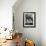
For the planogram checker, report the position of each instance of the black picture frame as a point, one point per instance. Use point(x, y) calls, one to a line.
point(29, 19)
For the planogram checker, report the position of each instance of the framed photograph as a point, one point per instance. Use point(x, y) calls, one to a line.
point(29, 19)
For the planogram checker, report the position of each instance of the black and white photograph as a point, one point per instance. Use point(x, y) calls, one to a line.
point(29, 19)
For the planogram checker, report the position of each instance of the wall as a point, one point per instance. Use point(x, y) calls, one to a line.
point(43, 22)
point(29, 33)
point(6, 16)
point(6, 13)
